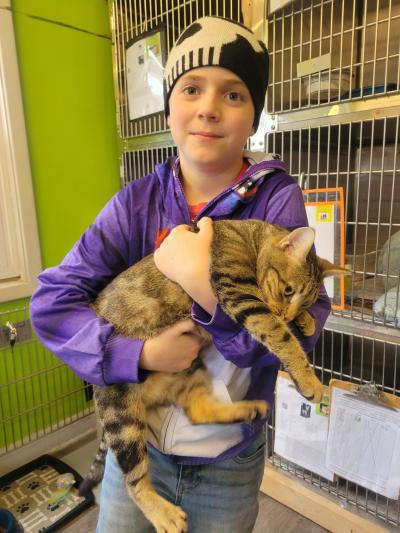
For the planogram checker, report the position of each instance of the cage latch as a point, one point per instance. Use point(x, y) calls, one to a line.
point(11, 333)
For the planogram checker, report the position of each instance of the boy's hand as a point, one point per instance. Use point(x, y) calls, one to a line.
point(184, 257)
point(174, 349)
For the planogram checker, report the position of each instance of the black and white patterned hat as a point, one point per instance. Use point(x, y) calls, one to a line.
point(215, 41)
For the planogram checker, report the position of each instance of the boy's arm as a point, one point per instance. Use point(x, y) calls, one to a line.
point(67, 325)
point(237, 345)
point(286, 209)
point(60, 308)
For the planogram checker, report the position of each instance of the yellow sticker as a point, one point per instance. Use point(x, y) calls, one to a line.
point(324, 213)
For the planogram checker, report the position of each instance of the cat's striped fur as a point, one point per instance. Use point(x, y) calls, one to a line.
point(263, 276)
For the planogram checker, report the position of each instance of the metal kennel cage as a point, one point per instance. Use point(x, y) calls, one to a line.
point(39, 395)
point(332, 113)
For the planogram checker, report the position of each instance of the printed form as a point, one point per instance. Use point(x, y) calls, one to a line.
point(364, 443)
point(301, 429)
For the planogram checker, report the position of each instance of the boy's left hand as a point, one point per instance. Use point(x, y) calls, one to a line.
point(184, 257)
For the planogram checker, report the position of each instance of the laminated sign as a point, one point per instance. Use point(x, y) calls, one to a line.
point(325, 213)
point(144, 58)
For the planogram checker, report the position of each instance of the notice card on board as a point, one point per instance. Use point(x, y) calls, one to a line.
point(325, 213)
point(301, 428)
point(364, 440)
point(144, 75)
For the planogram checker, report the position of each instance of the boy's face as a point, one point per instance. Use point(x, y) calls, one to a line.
point(211, 117)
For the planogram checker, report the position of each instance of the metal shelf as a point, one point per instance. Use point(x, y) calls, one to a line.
point(361, 328)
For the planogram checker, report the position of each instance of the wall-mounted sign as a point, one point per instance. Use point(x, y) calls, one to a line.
point(144, 58)
point(325, 213)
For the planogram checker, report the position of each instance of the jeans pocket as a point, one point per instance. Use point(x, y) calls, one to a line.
point(254, 451)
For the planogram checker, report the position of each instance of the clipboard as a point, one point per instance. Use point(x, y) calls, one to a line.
point(364, 436)
point(301, 428)
point(367, 392)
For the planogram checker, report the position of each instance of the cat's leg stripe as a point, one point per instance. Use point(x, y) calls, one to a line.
point(117, 426)
point(134, 482)
point(239, 298)
point(128, 456)
point(246, 313)
point(233, 280)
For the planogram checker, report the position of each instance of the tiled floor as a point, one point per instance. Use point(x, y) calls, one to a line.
point(273, 516)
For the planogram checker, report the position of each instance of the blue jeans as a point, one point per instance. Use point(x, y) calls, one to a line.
point(218, 498)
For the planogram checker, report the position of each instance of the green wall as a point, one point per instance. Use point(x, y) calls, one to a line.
point(64, 55)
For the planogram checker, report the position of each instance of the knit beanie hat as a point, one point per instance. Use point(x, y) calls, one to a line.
point(215, 41)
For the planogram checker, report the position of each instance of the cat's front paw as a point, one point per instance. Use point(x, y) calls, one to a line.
point(306, 323)
point(310, 387)
point(169, 518)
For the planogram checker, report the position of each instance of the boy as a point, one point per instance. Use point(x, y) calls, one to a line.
point(215, 82)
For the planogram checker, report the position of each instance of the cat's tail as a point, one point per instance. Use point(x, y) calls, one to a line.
point(96, 472)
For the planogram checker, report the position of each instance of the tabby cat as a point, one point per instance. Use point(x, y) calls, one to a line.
point(262, 276)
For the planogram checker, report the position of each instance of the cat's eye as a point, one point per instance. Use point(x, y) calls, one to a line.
point(289, 290)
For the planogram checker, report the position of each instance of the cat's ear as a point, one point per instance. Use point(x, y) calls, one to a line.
point(298, 243)
point(330, 269)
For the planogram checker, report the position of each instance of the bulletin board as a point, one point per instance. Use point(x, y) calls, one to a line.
point(325, 213)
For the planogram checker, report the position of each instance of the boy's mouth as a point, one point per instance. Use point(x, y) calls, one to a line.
point(206, 135)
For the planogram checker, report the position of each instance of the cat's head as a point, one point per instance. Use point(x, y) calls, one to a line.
point(294, 274)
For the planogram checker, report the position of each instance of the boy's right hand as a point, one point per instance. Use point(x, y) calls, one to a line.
point(173, 350)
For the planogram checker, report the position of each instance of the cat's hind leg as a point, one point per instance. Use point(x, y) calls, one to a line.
point(201, 407)
point(125, 428)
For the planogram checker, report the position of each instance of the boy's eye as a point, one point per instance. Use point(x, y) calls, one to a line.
point(234, 96)
point(190, 90)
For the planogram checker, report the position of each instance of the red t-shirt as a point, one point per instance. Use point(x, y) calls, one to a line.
point(194, 210)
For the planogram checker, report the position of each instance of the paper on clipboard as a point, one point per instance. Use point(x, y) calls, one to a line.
point(364, 440)
point(301, 428)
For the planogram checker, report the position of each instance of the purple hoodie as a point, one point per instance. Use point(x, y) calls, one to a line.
point(124, 232)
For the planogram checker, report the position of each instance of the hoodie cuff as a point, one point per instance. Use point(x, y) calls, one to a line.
point(121, 361)
point(219, 325)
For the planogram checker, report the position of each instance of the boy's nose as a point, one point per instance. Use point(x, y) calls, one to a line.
point(208, 108)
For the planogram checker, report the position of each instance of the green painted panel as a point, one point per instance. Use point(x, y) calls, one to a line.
point(87, 15)
point(66, 79)
point(64, 54)
point(14, 304)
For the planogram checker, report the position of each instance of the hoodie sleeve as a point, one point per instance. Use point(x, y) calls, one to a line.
point(286, 208)
point(60, 308)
